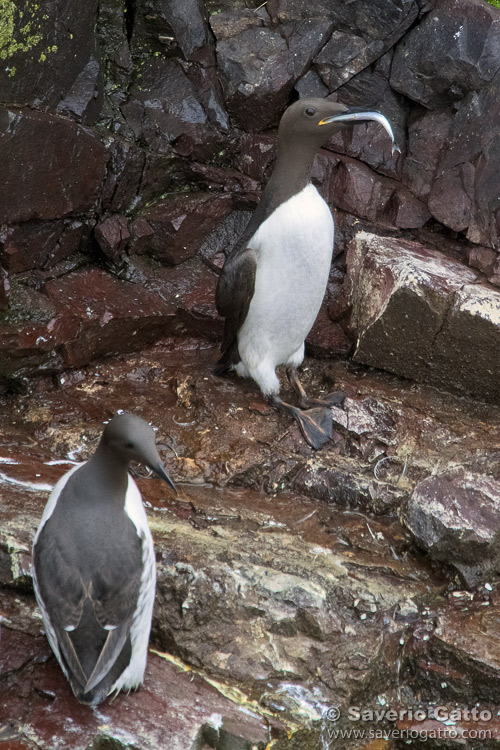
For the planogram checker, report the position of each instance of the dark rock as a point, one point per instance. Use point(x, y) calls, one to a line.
point(462, 653)
point(224, 237)
point(370, 86)
point(482, 258)
point(164, 111)
point(49, 64)
point(421, 314)
point(452, 196)
point(466, 348)
point(305, 39)
point(38, 244)
point(25, 246)
point(209, 91)
point(4, 289)
point(332, 62)
point(453, 51)
point(141, 233)
point(178, 224)
point(82, 94)
point(311, 85)
point(51, 167)
point(284, 11)
point(466, 190)
point(103, 315)
point(365, 36)
point(340, 483)
point(158, 177)
point(355, 188)
point(28, 334)
point(494, 277)
point(87, 314)
point(126, 167)
point(327, 339)
point(185, 21)
point(116, 61)
point(256, 154)
point(112, 236)
point(244, 190)
point(190, 288)
point(257, 76)
point(337, 301)
point(427, 139)
point(455, 516)
point(228, 23)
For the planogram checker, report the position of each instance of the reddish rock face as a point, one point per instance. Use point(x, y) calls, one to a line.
point(256, 156)
point(127, 168)
point(165, 111)
point(36, 244)
point(255, 94)
point(427, 138)
point(155, 118)
point(107, 315)
point(326, 338)
point(51, 167)
point(173, 229)
point(355, 188)
point(112, 235)
point(180, 95)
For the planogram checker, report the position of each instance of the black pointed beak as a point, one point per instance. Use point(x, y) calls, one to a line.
point(161, 473)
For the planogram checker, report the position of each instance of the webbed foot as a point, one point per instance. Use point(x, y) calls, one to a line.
point(316, 425)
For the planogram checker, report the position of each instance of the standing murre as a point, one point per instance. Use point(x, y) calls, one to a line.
point(273, 281)
point(94, 569)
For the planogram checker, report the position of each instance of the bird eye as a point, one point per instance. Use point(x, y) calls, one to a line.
point(129, 445)
point(310, 111)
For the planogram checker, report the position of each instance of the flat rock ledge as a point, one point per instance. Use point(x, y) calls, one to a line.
point(286, 584)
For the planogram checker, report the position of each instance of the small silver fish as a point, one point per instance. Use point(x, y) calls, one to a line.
point(357, 116)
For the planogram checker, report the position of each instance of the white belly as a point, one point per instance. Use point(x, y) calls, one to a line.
point(294, 250)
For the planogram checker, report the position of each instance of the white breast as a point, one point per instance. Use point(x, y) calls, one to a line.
point(294, 249)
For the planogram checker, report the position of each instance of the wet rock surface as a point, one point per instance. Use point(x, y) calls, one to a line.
point(282, 572)
point(135, 139)
point(141, 130)
point(192, 711)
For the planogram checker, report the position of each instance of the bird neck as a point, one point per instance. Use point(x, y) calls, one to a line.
point(109, 472)
point(291, 172)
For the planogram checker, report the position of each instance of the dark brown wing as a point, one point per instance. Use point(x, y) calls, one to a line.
point(234, 293)
point(90, 618)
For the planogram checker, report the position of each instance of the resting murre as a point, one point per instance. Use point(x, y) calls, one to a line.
point(273, 281)
point(94, 567)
